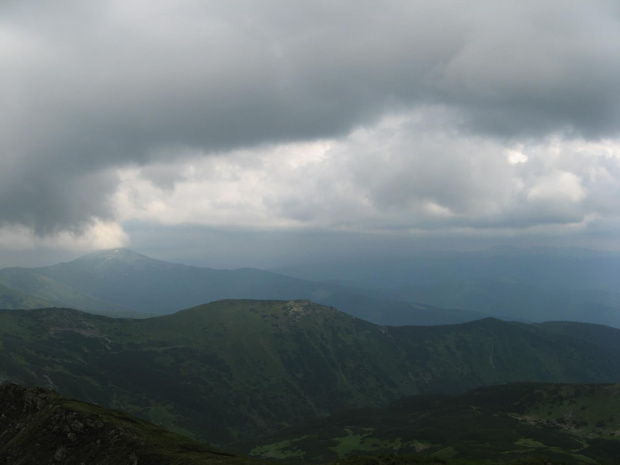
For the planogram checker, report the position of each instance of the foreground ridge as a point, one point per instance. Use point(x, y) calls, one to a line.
point(38, 426)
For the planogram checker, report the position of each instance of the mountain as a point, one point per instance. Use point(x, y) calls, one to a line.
point(120, 282)
point(39, 426)
point(532, 285)
point(575, 424)
point(233, 370)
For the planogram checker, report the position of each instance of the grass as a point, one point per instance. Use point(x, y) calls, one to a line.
point(280, 451)
point(233, 370)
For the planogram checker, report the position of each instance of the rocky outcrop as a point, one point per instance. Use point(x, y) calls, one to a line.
point(38, 426)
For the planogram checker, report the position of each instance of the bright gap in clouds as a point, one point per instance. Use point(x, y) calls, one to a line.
point(408, 172)
point(98, 235)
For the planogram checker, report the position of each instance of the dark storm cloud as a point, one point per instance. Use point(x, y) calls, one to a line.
point(90, 86)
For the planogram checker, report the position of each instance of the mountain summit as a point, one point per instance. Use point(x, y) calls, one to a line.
point(114, 261)
point(121, 255)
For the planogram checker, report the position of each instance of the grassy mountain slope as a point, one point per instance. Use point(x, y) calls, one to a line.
point(251, 365)
point(566, 423)
point(39, 291)
point(13, 299)
point(39, 426)
point(232, 370)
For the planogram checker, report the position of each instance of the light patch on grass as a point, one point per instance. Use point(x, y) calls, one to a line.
point(355, 442)
point(528, 442)
point(445, 453)
point(585, 459)
point(420, 446)
point(279, 450)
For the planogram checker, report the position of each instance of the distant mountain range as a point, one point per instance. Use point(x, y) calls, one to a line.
point(533, 285)
point(120, 282)
point(236, 369)
point(566, 423)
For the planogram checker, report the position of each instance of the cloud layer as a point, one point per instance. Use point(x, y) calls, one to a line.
point(336, 116)
point(405, 173)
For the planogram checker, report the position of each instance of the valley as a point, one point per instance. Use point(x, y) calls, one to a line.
point(566, 423)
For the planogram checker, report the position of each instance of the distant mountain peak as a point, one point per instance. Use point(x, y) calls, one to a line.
point(118, 254)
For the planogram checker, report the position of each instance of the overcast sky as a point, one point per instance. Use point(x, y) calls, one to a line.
point(234, 133)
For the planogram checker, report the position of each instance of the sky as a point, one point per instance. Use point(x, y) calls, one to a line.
point(261, 133)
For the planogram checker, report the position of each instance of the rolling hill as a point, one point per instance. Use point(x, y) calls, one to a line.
point(233, 370)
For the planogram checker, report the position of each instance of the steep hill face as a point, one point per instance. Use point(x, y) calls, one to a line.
point(232, 370)
point(40, 427)
point(566, 423)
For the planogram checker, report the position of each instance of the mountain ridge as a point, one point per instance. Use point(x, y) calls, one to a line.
point(258, 366)
point(121, 282)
